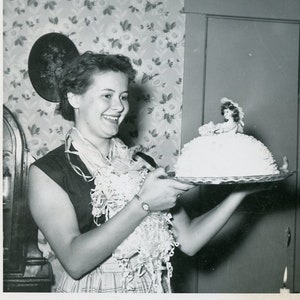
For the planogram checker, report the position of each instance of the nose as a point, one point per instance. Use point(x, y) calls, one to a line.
point(117, 104)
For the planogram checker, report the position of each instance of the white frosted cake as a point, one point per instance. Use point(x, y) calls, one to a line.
point(222, 150)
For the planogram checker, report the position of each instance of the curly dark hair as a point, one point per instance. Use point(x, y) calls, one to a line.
point(235, 111)
point(77, 76)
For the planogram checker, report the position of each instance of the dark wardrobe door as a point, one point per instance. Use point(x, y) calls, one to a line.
point(254, 60)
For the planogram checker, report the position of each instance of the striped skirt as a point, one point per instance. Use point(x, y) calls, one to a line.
point(108, 278)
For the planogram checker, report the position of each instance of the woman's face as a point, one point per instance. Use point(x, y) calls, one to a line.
point(227, 114)
point(103, 106)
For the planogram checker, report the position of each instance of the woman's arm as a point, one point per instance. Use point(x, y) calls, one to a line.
point(54, 214)
point(193, 234)
point(79, 253)
point(226, 127)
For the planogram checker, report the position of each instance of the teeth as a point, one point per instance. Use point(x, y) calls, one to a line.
point(111, 117)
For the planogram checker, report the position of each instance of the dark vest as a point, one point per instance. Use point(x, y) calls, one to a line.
point(57, 167)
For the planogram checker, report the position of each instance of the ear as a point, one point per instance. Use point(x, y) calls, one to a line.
point(74, 100)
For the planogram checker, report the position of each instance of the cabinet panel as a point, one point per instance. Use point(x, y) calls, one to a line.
point(24, 268)
point(256, 63)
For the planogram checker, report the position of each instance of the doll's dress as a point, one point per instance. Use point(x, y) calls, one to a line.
point(210, 128)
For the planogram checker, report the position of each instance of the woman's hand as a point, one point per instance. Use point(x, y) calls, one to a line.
point(161, 192)
point(251, 188)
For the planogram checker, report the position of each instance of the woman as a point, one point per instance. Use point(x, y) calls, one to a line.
point(104, 210)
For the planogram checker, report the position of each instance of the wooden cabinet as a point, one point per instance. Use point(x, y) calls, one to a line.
point(248, 52)
point(24, 268)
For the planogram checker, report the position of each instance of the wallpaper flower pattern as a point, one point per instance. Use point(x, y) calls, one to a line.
point(150, 32)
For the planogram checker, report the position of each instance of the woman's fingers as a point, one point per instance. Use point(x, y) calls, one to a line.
point(256, 187)
point(161, 192)
point(159, 173)
point(181, 185)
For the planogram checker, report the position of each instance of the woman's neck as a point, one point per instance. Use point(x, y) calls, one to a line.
point(101, 144)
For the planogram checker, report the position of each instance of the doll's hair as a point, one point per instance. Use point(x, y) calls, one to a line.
point(233, 108)
point(77, 76)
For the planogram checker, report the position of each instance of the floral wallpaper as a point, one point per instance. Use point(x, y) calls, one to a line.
point(150, 32)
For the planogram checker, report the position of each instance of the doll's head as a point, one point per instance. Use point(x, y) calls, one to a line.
point(236, 111)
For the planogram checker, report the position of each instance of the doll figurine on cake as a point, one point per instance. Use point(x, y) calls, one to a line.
point(223, 150)
point(233, 120)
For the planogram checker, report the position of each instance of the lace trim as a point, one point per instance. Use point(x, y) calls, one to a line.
point(117, 180)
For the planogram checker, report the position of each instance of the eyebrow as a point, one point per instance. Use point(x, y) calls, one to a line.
point(112, 90)
point(107, 89)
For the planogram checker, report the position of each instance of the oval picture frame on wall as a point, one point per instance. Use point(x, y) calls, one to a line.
point(47, 58)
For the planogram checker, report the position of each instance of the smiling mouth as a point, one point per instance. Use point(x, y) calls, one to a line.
point(111, 118)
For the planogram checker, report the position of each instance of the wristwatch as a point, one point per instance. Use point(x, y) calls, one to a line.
point(145, 205)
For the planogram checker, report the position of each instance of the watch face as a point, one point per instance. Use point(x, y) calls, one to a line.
point(146, 207)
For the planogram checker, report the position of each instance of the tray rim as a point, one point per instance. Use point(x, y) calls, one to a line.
point(235, 179)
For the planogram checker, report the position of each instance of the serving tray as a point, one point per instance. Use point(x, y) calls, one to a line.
point(233, 179)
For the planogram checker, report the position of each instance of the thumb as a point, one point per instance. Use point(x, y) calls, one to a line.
point(159, 172)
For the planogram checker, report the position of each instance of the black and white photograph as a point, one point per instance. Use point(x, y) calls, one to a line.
point(151, 147)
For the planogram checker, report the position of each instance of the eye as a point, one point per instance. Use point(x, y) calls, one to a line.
point(107, 96)
point(124, 97)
